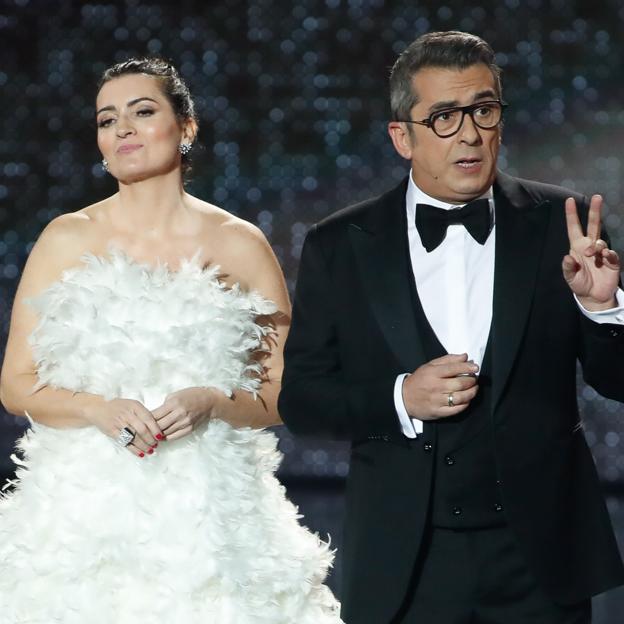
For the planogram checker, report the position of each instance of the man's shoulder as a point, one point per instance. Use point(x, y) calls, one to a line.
point(536, 191)
point(365, 212)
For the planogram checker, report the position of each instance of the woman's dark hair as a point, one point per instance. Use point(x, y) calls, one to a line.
point(172, 86)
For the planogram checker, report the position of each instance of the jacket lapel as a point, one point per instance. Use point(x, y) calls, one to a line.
point(521, 226)
point(379, 241)
point(378, 238)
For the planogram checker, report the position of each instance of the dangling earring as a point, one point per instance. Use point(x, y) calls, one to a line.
point(184, 148)
point(105, 165)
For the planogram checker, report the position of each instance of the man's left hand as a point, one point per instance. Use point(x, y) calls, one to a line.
point(591, 269)
point(183, 411)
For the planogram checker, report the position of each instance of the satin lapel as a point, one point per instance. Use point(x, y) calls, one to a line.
point(379, 242)
point(521, 226)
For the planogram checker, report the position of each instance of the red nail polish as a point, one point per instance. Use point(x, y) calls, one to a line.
point(150, 451)
point(154, 445)
point(141, 454)
point(160, 436)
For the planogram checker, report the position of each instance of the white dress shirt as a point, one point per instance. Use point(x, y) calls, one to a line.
point(455, 284)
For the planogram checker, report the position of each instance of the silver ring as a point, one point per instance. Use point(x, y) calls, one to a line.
point(449, 400)
point(125, 437)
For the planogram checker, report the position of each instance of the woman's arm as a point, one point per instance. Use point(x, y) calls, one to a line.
point(253, 264)
point(60, 247)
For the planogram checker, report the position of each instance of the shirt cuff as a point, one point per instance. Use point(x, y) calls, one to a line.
point(410, 427)
point(614, 316)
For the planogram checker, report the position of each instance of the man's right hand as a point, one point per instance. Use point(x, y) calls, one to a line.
point(427, 390)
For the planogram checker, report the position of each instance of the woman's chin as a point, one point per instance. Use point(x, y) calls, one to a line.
point(134, 176)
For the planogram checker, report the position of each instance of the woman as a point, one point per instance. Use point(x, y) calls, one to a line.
point(146, 347)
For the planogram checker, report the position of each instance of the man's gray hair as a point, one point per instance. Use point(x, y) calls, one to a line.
point(450, 49)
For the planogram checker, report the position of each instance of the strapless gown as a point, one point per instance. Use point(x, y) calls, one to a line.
point(200, 532)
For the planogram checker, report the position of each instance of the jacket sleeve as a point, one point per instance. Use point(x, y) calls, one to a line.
point(602, 358)
point(602, 353)
point(317, 398)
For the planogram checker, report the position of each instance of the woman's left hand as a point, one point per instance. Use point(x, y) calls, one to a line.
point(183, 411)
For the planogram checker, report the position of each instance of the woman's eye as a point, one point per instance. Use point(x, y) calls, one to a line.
point(104, 123)
point(145, 112)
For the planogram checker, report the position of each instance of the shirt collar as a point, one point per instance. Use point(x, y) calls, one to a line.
point(415, 196)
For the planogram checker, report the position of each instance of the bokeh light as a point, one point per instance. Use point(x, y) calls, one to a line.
point(292, 100)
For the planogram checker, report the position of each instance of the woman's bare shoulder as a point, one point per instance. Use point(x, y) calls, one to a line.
point(64, 241)
point(228, 233)
point(243, 252)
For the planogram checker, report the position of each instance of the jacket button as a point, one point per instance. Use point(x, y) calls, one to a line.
point(449, 461)
point(457, 511)
point(498, 507)
point(427, 447)
point(614, 332)
point(385, 438)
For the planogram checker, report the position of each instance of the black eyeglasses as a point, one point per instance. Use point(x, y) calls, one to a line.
point(447, 122)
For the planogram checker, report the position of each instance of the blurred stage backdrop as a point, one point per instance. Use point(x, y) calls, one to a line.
point(292, 101)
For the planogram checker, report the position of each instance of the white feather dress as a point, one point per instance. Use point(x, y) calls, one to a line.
point(200, 532)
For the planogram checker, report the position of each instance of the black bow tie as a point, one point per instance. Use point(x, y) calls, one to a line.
point(432, 222)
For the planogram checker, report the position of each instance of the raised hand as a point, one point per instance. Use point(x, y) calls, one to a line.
point(591, 269)
point(440, 388)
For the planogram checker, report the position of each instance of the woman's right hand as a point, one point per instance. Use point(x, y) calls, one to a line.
point(111, 417)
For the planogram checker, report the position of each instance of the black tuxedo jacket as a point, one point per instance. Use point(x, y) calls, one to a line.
point(354, 330)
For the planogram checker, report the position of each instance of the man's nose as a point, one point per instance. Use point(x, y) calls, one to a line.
point(469, 131)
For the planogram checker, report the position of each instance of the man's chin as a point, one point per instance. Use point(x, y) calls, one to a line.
point(471, 189)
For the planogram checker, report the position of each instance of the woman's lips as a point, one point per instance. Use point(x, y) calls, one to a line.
point(128, 148)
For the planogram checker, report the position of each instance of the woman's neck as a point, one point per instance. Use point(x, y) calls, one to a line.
point(155, 206)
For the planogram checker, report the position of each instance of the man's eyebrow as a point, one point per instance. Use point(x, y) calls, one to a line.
point(488, 93)
point(443, 105)
point(130, 103)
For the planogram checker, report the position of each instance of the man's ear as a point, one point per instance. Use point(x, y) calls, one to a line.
point(401, 138)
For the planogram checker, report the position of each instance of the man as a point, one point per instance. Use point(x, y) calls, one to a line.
point(438, 334)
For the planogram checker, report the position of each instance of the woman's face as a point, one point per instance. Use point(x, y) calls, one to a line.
point(138, 131)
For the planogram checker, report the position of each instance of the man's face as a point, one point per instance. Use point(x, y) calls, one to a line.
point(459, 168)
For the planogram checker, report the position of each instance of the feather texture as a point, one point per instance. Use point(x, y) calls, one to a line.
point(199, 532)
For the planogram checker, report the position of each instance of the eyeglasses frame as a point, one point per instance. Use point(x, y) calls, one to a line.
point(465, 110)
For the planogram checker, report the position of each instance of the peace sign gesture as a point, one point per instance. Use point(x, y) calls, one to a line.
point(591, 269)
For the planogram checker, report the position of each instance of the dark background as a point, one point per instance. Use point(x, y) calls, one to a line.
point(292, 100)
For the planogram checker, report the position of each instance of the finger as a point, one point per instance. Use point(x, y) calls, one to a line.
point(128, 421)
point(575, 231)
point(451, 357)
point(135, 450)
point(161, 415)
point(454, 369)
point(459, 383)
point(161, 411)
point(570, 267)
point(150, 431)
point(166, 423)
point(140, 444)
point(458, 398)
point(142, 432)
point(611, 258)
point(593, 218)
point(446, 412)
point(177, 425)
point(594, 248)
point(180, 433)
